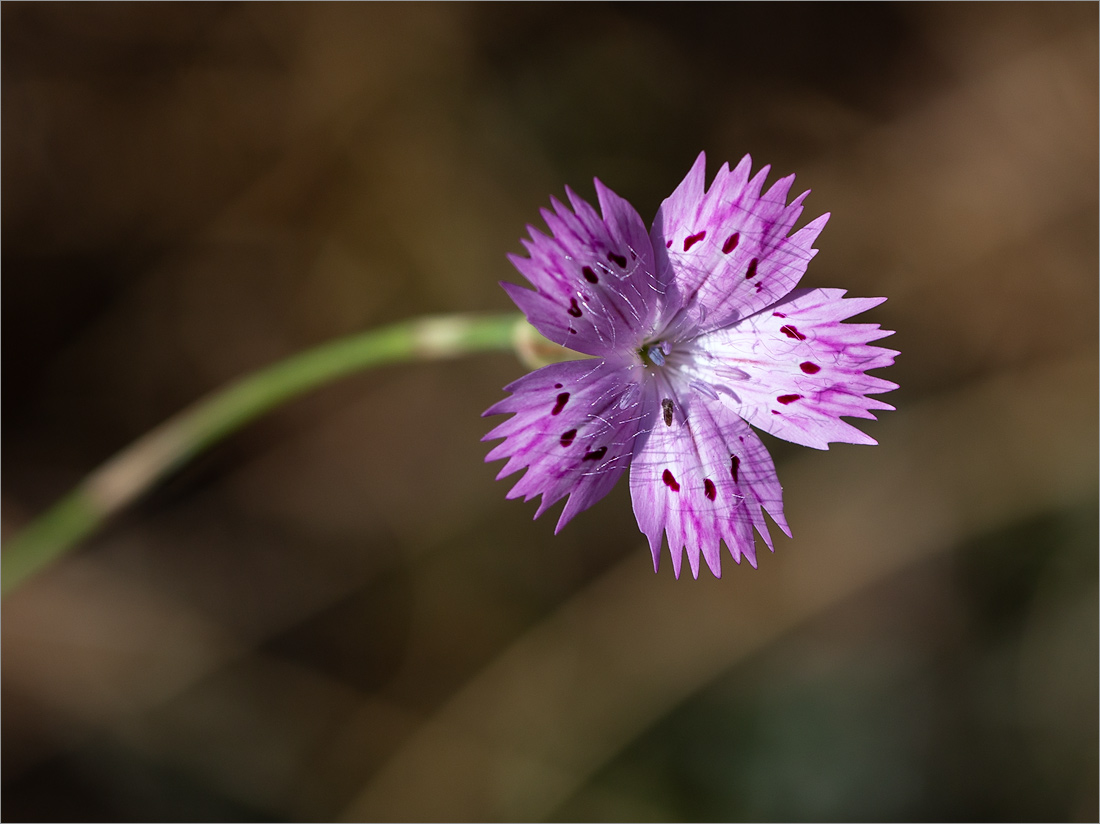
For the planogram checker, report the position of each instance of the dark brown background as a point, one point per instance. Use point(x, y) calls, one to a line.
point(337, 613)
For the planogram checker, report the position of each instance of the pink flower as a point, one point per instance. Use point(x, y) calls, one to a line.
point(696, 331)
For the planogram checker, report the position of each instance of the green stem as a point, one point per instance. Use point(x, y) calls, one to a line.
point(131, 472)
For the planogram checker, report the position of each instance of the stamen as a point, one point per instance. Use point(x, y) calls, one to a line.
point(666, 411)
point(703, 388)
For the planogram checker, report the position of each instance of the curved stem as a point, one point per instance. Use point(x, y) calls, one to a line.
point(135, 469)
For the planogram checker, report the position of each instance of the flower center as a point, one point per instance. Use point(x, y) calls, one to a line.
point(654, 354)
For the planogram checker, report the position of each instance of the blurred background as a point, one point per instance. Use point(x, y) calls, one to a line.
point(337, 614)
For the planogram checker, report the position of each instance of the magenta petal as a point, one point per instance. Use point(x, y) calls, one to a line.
point(593, 277)
point(804, 368)
point(702, 480)
point(573, 429)
point(727, 249)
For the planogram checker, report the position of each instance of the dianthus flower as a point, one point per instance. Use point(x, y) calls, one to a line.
point(696, 331)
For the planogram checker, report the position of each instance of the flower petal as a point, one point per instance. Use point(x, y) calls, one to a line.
point(803, 369)
point(725, 252)
point(701, 479)
point(594, 277)
point(573, 429)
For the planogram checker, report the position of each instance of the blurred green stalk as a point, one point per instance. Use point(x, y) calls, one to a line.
point(131, 472)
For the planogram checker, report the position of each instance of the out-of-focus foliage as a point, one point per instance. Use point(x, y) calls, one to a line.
point(338, 613)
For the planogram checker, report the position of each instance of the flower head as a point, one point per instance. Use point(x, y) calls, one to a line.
point(696, 331)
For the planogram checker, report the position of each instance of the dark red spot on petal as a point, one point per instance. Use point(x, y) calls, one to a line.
point(618, 260)
point(708, 489)
point(809, 368)
point(589, 275)
point(731, 243)
point(785, 399)
point(778, 315)
point(572, 331)
point(691, 240)
point(557, 386)
point(563, 398)
point(574, 310)
point(670, 481)
point(791, 332)
point(567, 437)
point(668, 245)
point(751, 272)
point(596, 454)
point(735, 464)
